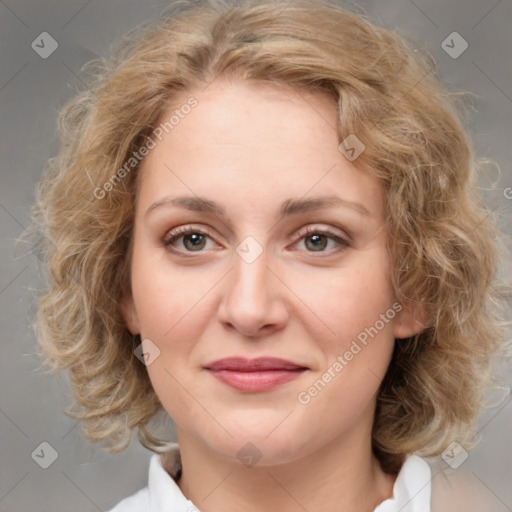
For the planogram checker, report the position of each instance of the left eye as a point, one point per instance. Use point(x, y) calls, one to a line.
point(194, 239)
point(319, 238)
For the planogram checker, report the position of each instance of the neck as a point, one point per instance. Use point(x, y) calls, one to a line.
point(342, 475)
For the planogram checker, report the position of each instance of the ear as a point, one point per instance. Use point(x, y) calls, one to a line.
point(129, 313)
point(413, 318)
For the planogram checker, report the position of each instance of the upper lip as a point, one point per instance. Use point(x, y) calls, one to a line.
point(242, 364)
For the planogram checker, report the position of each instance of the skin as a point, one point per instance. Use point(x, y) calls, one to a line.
point(249, 147)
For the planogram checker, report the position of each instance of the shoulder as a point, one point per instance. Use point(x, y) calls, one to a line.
point(459, 490)
point(162, 490)
point(141, 499)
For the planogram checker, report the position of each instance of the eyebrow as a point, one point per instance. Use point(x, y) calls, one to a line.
point(292, 206)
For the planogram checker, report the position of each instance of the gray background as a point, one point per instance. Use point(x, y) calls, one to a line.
point(32, 90)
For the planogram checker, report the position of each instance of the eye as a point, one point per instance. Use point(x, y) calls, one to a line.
point(194, 239)
point(317, 239)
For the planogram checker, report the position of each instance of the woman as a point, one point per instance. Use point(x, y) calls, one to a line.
point(263, 220)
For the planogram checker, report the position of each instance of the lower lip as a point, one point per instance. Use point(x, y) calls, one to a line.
point(256, 381)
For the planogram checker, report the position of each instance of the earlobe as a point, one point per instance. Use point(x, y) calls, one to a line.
point(412, 319)
point(130, 315)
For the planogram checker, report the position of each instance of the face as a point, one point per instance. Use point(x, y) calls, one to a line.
point(254, 271)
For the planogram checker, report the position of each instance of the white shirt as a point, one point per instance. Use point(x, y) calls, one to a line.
point(411, 490)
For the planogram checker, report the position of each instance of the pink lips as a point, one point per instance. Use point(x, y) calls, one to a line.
point(254, 375)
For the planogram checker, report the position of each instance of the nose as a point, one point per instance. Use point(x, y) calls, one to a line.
point(254, 302)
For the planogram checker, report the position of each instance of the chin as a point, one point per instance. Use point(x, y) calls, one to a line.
point(265, 445)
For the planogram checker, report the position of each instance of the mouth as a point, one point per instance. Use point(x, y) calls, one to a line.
point(254, 375)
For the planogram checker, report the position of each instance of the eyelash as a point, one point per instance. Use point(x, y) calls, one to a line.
point(177, 233)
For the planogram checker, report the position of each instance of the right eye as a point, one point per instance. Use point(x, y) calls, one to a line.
point(194, 239)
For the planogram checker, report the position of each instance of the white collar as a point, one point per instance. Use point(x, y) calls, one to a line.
point(163, 489)
point(412, 489)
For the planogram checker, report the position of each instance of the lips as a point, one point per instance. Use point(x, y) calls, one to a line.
point(241, 364)
point(254, 375)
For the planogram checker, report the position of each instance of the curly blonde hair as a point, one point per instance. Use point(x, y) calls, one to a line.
point(443, 242)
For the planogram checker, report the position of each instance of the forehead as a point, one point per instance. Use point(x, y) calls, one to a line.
point(254, 139)
point(237, 110)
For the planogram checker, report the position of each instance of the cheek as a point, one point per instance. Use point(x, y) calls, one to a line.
point(172, 315)
point(174, 308)
point(349, 299)
point(357, 309)
point(167, 297)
